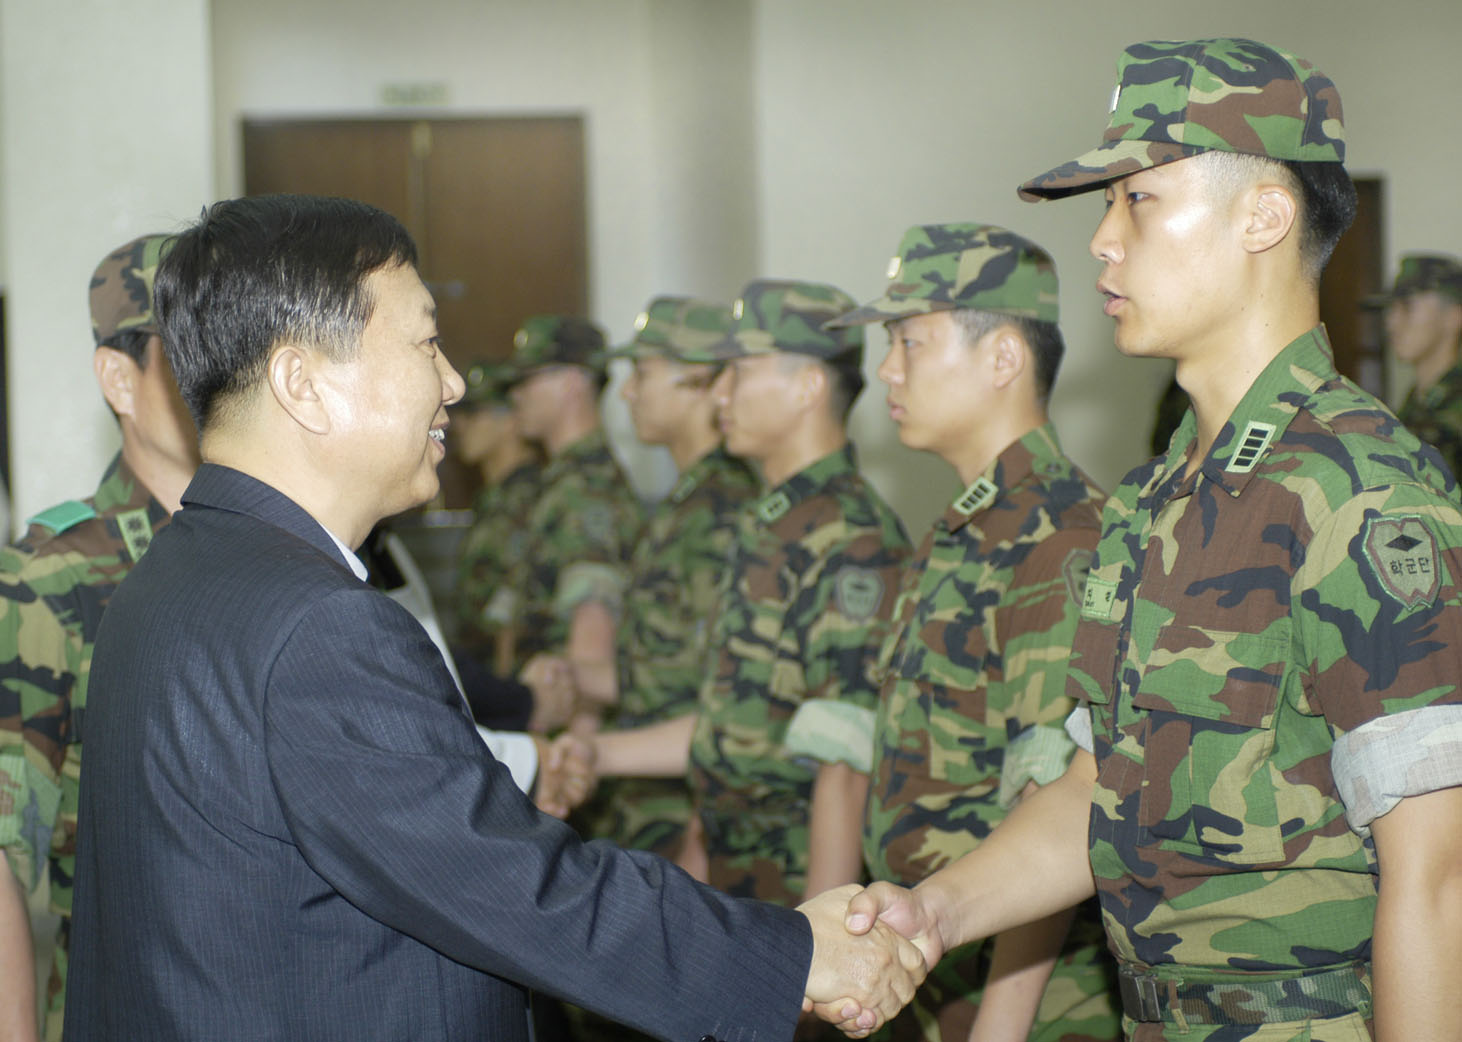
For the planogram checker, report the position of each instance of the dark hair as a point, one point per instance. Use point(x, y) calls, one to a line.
point(1329, 201)
point(1325, 193)
point(132, 343)
point(1043, 338)
point(845, 382)
point(256, 271)
point(844, 375)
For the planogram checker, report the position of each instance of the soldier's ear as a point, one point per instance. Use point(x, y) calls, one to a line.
point(1008, 355)
point(1269, 214)
point(117, 375)
point(812, 385)
point(296, 376)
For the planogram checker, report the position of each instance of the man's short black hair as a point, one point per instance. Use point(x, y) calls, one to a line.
point(257, 271)
point(1044, 339)
point(1325, 192)
point(132, 343)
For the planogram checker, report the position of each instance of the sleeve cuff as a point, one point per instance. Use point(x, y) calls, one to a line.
point(33, 799)
point(1038, 754)
point(514, 751)
point(831, 731)
point(588, 581)
point(1078, 729)
point(1385, 760)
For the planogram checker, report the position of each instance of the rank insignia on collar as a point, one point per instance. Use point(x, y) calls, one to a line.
point(136, 532)
point(1255, 440)
point(773, 507)
point(981, 493)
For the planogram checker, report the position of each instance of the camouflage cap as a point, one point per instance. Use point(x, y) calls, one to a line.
point(121, 288)
point(677, 327)
point(777, 315)
point(1178, 98)
point(545, 340)
point(1424, 272)
point(488, 384)
point(979, 267)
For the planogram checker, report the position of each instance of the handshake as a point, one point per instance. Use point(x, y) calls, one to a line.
point(870, 949)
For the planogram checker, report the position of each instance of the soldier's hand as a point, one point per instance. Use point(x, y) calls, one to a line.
point(551, 679)
point(902, 910)
point(857, 981)
point(565, 775)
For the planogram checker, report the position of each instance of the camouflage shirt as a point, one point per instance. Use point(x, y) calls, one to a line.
point(810, 586)
point(974, 672)
point(1268, 647)
point(486, 598)
point(675, 577)
point(973, 699)
point(56, 581)
point(1435, 416)
point(582, 530)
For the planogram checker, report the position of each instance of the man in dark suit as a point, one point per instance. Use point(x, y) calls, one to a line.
point(289, 829)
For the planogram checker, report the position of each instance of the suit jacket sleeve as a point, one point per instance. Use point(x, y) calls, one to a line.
point(391, 798)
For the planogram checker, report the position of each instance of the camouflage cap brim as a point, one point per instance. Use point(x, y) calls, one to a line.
point(888, 309)
point(1102, 165)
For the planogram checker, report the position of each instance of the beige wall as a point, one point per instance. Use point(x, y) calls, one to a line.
point(781, 137)
point(104, 135)
point(876, 116)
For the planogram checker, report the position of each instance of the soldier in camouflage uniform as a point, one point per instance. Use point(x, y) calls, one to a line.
point(1424, 328)
point(585, 521)
point(1270, 627)
point(56, 582)
point(675, 575)
point(485, 433)
point(974, 673)
point(781, 750)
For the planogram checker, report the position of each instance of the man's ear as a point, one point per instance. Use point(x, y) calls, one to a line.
point(1008, 355)
point(292, 374)
point(117, 374)
point(1269, 216)
point(811, 386)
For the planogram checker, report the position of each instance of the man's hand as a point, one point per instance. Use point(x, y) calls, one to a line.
point(565, 774)
point(901, 910)
point(552, 681)
point(857, 981)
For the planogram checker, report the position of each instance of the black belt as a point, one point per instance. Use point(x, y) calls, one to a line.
point(1193, 996)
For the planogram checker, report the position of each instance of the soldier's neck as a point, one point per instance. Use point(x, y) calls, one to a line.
point(572, 426)
point(692, 444)
point(1434, 365)
point(164, 478)
point(800, 451)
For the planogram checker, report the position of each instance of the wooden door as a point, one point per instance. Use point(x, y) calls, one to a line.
point(496, 206)
point(1355, 272)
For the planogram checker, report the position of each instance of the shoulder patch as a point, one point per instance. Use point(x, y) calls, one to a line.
point(598, 522)
point(1074, 570)
point(63, 516)
point(1403, 553)
point(858, 592)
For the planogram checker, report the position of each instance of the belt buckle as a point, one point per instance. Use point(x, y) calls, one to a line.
point(1141, 999)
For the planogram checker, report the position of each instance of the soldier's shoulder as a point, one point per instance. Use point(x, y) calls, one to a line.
point(1344, 437)
point(69, 526)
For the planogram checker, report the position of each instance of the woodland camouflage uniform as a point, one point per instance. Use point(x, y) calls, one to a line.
point(1267, 647)
point(810, 585)
point(973, 673)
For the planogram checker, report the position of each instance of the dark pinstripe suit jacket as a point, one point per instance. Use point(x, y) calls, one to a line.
point(290, 830)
